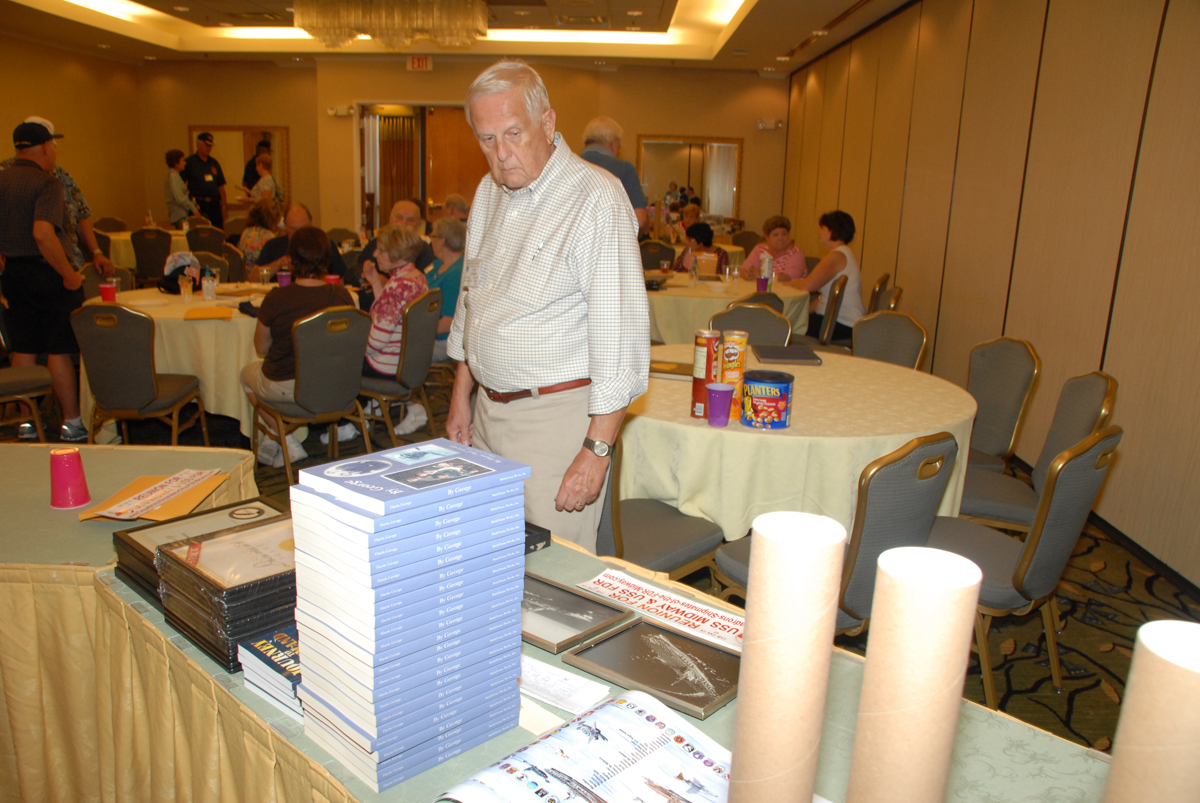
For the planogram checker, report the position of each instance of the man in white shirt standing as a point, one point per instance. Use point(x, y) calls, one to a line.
point(552, 320)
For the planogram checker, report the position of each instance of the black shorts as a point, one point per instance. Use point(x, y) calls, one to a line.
point(39, 307)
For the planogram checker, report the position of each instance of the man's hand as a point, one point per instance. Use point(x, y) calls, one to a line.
point(104, 265)
point(72, 280)
point(581, 484)
point(459, 427)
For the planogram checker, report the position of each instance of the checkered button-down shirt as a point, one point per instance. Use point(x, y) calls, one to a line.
point(553, 288)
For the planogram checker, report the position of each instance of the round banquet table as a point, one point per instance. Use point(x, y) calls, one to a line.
point(678, 310)
point(121, 250)
point(212, 350)
point(845, 413)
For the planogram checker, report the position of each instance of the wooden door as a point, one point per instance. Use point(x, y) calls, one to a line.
point(453, 162)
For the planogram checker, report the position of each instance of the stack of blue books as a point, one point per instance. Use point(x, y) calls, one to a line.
point(409, 578)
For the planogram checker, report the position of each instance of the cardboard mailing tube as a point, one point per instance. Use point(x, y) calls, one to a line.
point(1158, 734)
point(791, 613)
point(919, 642)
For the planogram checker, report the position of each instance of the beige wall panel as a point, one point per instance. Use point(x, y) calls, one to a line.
point(93, 102)
point(1091, 94)
point(879, 231)
point(795, 142)
point(932, 144)
point(833, 125)
point(810, 158)
point(1006, 37)
point(860, 121)
point(1151, 490)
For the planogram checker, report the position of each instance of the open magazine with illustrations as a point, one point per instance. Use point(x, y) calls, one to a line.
point(631, 747)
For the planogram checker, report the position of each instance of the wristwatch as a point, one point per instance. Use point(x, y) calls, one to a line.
point(598, 448)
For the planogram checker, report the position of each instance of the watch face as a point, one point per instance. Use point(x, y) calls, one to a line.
point(600, 448)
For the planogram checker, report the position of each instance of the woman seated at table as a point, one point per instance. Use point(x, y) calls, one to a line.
point(690, 214)
point(836, 231)
point(449, 240)
point(262, 222)
point(274, 378)
point(787, 258)
point(700, 241)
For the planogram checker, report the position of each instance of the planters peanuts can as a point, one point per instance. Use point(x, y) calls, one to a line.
point(767, 399)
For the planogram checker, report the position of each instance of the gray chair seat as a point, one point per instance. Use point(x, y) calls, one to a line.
point(985, 462)
point(171, 389)
point(386, 387)
point(660, 538)
point(988, 495)
point(995, 553)
point(293, 410)
point(23, 379)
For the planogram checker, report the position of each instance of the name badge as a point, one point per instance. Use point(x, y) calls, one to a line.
point(472, 273)
point(208, 177)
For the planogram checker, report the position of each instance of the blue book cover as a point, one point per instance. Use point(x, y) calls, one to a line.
point(370, 529)
point(277, 652)
point(314, 572)
point(499, 546)
point(331, 549)
point(412, 476)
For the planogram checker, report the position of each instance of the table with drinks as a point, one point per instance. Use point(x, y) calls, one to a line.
point(685, 304)
point(840, 416)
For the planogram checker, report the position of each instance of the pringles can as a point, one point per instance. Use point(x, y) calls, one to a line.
point(767, 399)
point(706, 368)
point(733, 364)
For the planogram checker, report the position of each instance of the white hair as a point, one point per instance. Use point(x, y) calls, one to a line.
point(507, 75)
point(602, 129)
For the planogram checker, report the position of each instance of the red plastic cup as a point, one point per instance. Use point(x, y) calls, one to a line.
point(108, 291)
point(720, 396)
point(284, 278)
point(332, 278)
point(68, 485)
point(762, 284)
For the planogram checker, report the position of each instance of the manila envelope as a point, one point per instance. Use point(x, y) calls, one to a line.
point(172, 508)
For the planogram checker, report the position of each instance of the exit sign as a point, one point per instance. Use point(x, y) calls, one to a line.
point(422, 63)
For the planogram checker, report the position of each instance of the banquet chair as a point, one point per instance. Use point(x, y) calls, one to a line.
point(418, 332)
point(769, 299)
point(92, 279)
point(205, 238)
point(337, 236)
point(890, 337)
point(214, 264)
point(26, 384)
point(353, 277)
point(105, 243)
point(1019, 578)
point(747, 240)
point(1002, 376)
point(832, 308)
point(236, 261)
point(889, 299)
point(108, 224)
point(151, 247)
point(654, 252)
point(653, 534)
point(810, 263)
point(327, 380)
point(880, 286)
point(998, 500)
point(898, 499)
point(765, 326)
point(234, 228)
point(117, 347)
point(197, 220)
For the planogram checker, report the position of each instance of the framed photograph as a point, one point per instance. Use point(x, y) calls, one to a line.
point(689, 675)
point(145, 540)
point(556, 617)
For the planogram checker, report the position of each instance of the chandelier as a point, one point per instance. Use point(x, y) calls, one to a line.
point(393, 23)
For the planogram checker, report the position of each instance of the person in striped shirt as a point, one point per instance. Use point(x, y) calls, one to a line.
point(396, 281)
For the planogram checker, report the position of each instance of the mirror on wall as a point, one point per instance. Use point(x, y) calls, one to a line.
point(710, 165)
point(234, 146)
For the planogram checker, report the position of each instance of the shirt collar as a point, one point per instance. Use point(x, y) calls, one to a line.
point(28, 163)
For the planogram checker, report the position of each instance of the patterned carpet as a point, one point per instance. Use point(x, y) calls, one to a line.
point(1105, 594)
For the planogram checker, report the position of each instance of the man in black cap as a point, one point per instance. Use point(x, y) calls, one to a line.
point(42, 287)
point(206, 181)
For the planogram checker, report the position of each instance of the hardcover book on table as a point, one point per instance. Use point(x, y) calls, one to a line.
point(371, 529)
point(412, 476)
point(274, 655)
point(437, 581)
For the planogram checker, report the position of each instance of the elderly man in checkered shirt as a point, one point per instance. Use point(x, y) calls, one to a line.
point(552, 320)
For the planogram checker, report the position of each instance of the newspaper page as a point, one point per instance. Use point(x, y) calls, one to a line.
point(631, 747)
point(712, 624)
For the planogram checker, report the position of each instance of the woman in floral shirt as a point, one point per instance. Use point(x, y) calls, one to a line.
point(396, 281)
point(262, 223)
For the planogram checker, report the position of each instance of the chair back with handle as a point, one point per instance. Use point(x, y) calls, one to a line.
point(832, 307)
point(329, 346)
point(654, 253)
point(889, 299)
point(421, 317)
point(767, 299)
point(151, 247)
point(205, 238)
point(747, 240)
point(890, 337)
point(765, 326)
point(337, 236)
point(236, 260)
point(880, 285)
point(109, 224)
point(1002, 376)
point(105, 243)
point(117, 347)
point(235, 226)
point(1084, 407)
point(92, 279)
point(198, 220)
point(213, 263)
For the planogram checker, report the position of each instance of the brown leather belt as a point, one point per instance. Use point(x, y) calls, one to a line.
point(505, 398)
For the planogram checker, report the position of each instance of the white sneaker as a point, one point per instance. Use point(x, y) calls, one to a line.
point(414, 419)
point(372, 407)
point(269, 453)
point(346, 432)
point(295, 450)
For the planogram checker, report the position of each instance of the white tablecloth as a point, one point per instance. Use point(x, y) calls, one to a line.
point(121, 251)
point(677, 311)
point(845, 413)
point(213, 350)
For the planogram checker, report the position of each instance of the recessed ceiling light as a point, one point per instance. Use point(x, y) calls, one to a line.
point(768, 69)
point(363, 36)
point(150, 58)
point(182, 8)
point(739, 53)
point(634, 13)
point(783, 58)
point(820, 33)
point(290, 10)
point(632, 28)
point(521, 13)
point(226, 24)
point(297, 58)
point(104, 47)
point(599, 63)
